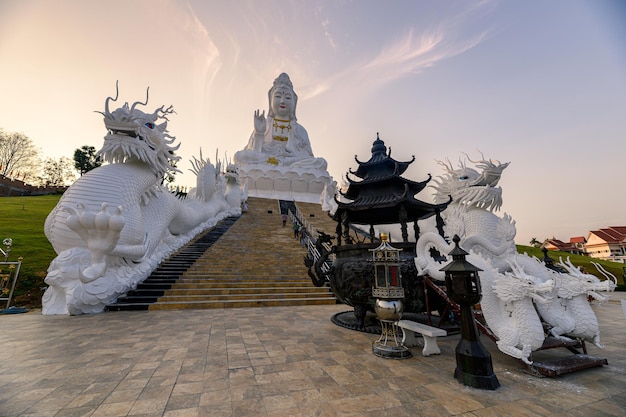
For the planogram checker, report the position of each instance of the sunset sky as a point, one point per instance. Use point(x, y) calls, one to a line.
point(541, 84)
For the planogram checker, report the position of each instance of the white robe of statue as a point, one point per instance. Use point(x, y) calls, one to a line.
point(279, 139)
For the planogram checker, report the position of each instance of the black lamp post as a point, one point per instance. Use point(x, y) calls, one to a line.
point(473, 360)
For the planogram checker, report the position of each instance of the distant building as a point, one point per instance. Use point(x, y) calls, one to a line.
point(555, 244)
point(607, 244)
point(578, 244)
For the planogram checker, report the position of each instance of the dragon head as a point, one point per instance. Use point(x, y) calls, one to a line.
point(232, 174)
point(471, 187)
point(577, 282)
point(135, 135)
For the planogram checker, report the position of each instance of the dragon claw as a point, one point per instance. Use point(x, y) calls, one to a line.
point(100, 231)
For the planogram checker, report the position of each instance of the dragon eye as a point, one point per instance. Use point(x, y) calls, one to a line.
point(464, 177)
point(149, 125)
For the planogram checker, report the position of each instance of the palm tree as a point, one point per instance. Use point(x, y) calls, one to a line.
point(534, 242)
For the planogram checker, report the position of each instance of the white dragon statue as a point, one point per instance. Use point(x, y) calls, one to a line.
point(513, 284)
point(116, 223)
point(569, 312)
point(235, 194)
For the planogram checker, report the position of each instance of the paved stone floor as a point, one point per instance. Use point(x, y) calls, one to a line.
point(275, 361)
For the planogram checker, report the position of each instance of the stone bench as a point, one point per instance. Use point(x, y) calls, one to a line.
point(430, 334)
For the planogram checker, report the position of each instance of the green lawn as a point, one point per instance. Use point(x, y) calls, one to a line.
point(22, 219)
point(615, 268)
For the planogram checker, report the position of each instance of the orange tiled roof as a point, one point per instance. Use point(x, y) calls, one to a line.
point(607, 236)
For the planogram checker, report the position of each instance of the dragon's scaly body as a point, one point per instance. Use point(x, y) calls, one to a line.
point(115, 224)
point(511, 282)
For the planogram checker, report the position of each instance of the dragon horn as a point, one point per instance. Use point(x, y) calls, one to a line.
point(604, 272)
point(139, 102)
point(106, 103)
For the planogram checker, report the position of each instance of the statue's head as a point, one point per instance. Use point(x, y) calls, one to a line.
point(133, 134)
point(282, 98)
point(470, 187)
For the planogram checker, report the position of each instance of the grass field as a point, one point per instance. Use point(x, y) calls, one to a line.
point(615, 268)
point(22, 219)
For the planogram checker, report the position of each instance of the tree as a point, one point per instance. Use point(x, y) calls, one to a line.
point(57, 172)
point(85, 159)
point(534, 242)
point(18, 155)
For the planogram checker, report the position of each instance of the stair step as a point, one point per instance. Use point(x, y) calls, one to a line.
point(248, 261)
point(267, 302)
point(186, 283)
point(247, 290)
point(221, 304)
point(208, 291)
point(234, 297)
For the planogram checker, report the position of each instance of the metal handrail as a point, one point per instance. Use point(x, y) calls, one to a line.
point(309, 240)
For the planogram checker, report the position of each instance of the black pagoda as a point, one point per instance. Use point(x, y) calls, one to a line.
point(378, 195)
point(383, 196)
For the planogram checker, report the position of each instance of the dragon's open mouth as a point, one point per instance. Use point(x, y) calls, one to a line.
point(120, 133)
point(123, 132)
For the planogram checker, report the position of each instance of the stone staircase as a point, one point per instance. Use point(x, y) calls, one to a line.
point(316, 219)
point(253, 261)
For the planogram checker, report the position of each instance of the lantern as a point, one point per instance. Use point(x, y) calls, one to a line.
point(462, 283)
point(389, 293)
point(473, 361)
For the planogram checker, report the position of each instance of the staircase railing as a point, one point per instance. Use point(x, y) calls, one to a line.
point(308, 240)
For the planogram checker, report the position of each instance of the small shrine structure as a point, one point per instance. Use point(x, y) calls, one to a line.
point(383, 196)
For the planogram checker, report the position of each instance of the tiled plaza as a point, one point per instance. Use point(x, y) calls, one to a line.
point(275, 361)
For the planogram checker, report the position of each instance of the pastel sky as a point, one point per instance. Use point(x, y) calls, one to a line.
point(541, 84)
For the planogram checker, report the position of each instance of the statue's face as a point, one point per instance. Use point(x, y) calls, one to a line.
point(283, 103)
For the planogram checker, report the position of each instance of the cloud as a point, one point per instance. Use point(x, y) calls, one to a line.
point(327, 34)
point(414, 53)
point(409, 55)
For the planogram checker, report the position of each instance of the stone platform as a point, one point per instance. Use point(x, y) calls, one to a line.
point(273, 361)
point(284, 183)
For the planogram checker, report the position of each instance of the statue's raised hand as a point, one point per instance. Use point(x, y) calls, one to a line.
point(259, 121)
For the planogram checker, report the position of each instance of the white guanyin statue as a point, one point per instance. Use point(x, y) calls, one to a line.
point(278, 161)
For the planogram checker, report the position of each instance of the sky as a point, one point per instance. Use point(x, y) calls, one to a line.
point(539, 84)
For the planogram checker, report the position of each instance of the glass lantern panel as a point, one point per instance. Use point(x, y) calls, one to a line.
point(459, 284)
point(381, 282)
point(393, 276)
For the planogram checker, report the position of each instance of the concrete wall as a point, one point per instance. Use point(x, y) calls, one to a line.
point(13, 188)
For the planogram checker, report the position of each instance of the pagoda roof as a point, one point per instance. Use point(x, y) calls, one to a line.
point(383, 196)
point(385, 208)
point(380, 161)
point(383, 181)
